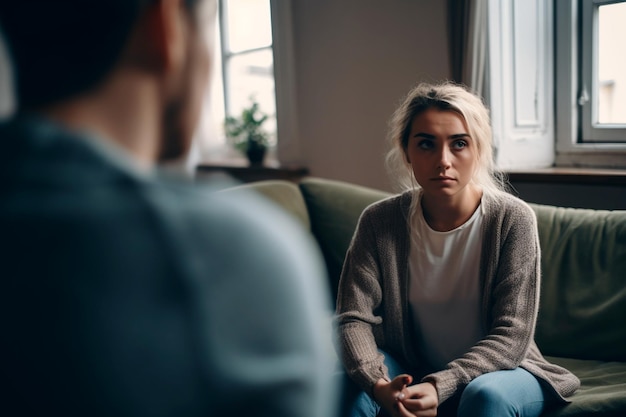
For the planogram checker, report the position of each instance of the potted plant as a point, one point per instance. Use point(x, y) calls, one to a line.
point(246, 133)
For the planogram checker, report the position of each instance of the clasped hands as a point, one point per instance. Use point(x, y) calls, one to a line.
point(400, 399)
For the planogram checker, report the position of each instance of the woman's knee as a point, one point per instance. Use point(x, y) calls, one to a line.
point(503, 393)
point(483, 390)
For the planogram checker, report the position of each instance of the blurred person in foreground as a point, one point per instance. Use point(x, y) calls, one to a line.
point(122, 295)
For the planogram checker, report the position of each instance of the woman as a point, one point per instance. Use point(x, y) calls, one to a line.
point(441, 283)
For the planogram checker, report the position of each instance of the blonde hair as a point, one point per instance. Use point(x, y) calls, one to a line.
point(443, 96)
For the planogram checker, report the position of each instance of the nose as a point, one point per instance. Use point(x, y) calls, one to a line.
point(444, 158)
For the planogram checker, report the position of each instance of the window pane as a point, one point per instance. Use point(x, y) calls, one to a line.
point(252, 74)
point(611, 94)
point(249, 24)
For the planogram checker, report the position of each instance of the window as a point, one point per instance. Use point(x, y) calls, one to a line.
point(590, 83)
point(558, 83)
point(243, 70)
point(246, 55)
point(521, 83)
point(603, 92)
point(254, 57)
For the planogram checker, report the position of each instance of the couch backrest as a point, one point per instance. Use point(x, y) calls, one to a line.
point(284, 193)
point(334, 209)
point(583, 297)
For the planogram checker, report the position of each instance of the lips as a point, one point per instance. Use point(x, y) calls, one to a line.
point(442, 179)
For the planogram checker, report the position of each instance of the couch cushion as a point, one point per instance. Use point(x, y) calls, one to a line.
point(334, 210)
point(583, 298)
point(602, 391)
point(284, 193)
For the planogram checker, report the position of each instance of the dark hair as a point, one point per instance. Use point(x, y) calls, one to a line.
point(60, 48)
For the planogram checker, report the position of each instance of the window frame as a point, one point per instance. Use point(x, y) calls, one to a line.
point(522, 124)
point(591, 131)
point(572, 109)
point(228, 54)
point(288, 148)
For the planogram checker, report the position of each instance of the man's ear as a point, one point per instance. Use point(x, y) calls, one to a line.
point(158, 41)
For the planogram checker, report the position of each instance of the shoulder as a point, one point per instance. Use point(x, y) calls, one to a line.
point(267, 291)
point(246, 251)
point(392, 206)
point(507, 207)
point(240, 222)
point(511, 219)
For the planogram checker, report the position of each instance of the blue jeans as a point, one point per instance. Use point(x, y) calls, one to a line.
point(514, 393)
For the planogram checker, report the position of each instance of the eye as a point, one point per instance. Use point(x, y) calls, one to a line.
point(459, 144)
point(425, 144)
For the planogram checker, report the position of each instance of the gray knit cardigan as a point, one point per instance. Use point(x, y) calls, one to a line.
point(373, 308)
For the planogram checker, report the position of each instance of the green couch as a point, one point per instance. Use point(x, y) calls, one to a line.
point(582, 317)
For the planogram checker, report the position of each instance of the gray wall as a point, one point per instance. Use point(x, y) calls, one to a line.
point(354, 61)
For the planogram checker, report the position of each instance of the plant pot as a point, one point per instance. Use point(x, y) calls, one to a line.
point(256, 155)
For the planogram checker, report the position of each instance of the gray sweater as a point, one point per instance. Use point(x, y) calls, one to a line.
point(373, 308)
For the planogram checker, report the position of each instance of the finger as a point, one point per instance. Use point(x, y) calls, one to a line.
point(402, 411)
point(401, 381)
point(422, 403)
point(399, 384)
point(412, 404)
point(406, 394)
point(426, 413)
point(422, 413)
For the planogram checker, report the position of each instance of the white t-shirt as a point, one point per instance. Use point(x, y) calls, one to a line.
point(444, 287)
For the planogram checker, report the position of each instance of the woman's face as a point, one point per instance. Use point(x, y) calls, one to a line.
point(442, 154)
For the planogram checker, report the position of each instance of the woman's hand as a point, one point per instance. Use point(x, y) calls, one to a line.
point(390, 395)
point(421, 400)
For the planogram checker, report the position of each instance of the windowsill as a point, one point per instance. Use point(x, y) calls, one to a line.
point(569, 176)
point(244, 172)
